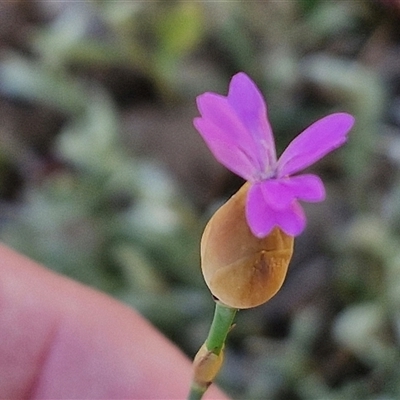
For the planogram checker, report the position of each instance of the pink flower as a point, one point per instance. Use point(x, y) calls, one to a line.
point(237, 131)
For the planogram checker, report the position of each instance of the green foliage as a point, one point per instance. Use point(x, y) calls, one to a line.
point(94, 208)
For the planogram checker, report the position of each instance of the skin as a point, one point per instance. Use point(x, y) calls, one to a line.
point(62, 340)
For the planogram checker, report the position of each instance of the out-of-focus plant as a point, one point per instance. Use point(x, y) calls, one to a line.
point(110, 220)
point(95, 217)
point(152, 39)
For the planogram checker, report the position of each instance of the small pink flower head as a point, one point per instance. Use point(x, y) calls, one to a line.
point(237, 131)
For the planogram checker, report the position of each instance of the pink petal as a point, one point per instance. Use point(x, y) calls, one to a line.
point(277, 193)
point(225, 134)
point(225, 150)
point(292, 220)
point(249, 105)
point(307, 187)
point(262, 218)
point(280, 193)
point(258, 215)
point(316, 141)
point(216, 109)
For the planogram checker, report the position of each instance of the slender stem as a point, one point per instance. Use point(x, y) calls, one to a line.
point(196, 392)
point(220, 327)
point(209, 359)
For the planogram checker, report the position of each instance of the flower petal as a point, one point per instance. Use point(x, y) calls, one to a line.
point(316, 141)
point(291, 220)
point(249, 105)
point(220, 123)
point(307, 187)
point(277, 193)
point(262, 218)
point(258, 215)
point(280, 193)
point(225, 149)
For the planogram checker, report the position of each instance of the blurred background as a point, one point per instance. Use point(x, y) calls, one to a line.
point(103, 177)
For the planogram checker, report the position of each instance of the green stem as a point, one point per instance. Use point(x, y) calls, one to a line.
point(220, 327)
point(196, 392)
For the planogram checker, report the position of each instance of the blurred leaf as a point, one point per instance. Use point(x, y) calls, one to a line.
point(329, 17)
point(360, 328)
point(32, 81)
point(142, 276)
point(360, 90)
point(179, 28)
point(91, 140)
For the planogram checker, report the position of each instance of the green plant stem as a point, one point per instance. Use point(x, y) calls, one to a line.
point(196, 392)
point(220, 327)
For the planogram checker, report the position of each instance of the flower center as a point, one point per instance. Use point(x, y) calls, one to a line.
point(270, 173)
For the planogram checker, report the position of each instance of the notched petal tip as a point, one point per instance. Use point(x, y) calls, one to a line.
point(319, 139)
point(209, 101)
point(242, 82)
point(307, 187)
point(237, 125)
point(262, 217)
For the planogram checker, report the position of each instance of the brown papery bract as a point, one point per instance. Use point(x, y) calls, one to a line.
point(241, 270)
point(206, 366)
